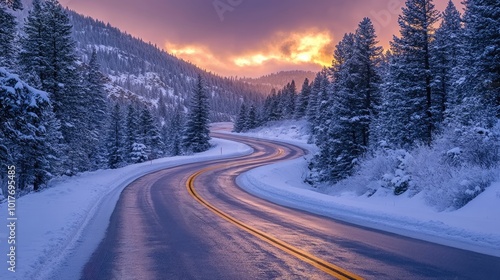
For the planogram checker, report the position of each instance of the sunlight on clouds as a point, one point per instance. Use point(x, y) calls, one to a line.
point(305, 48)
point(182, 51)
point(201, 56)
point(295, 48)
point(257, 59)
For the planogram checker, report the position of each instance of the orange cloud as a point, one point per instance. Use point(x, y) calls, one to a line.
point(309, 48)
point(196, 54)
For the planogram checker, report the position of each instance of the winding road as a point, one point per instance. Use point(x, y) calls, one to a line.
point(194, 222)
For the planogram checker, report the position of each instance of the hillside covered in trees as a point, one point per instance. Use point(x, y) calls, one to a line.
point(78, 95)
point(423, 116)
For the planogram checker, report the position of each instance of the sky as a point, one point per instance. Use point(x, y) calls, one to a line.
point(247, 37)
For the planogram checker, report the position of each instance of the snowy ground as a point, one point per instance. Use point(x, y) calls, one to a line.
point(474, 227)
point(74, 213)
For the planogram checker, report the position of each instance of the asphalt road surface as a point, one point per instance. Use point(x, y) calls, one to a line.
point(194, 222)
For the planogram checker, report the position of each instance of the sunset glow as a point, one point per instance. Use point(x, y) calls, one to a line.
point(253, 38)
point(297, 48)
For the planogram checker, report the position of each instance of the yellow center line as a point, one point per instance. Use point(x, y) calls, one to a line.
point(323, 265)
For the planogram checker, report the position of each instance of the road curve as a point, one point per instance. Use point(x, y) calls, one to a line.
point(194, 222)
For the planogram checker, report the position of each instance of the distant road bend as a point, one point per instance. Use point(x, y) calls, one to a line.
point(194, 222)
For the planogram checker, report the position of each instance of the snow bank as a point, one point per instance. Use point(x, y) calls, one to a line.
point(73, 215)
point(473, 227)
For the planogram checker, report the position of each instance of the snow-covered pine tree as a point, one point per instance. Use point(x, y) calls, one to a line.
point(197, 133)
point(97, 120)
point(28, 132)
point(324, 114)
point(173, 133)
point(47, 60)
point(344, 136)
point(482, 33)
point(132, 134)
point(366, 59)
point(339, 135)
point(139, 153)
point(240, 124)
point(115, 140)
point(150, 135)
point(7, 35)
point(303, 100)
point(312, 106)
point(446, 50)
point(252, 118)
point(409, 85)
point(31, 57)
point(289, 100)
point(272, 107)
point(477, 86)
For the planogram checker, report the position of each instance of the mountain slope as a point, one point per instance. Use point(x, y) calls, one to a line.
point(280, 79)
point(141, 71)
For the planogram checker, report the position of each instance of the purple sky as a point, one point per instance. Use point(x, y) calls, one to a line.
point(247, 37)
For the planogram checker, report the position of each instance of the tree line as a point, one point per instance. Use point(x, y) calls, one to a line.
point(55, 118)
point(440, 79)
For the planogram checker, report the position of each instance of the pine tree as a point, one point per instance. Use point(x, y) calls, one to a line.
point(242, 119)
point(366, 60)
point(289, 100)
point(115, 139)
point(303, 100)
point(173, 134)
point(33, 47)
point(95, 122)
point(7, 37)
point(272, 107)
point(252, 118)
point(132, 135)
point(477, 86)
point(481, 23)
point(324, 110)
point(446, 53)
point(343, 135)
point(338, 130)
point(197, 134)
point(28, 132)
point(409, 85)
point(150, 135)
point(139, 153)
point(47, 59)
point(312, 107)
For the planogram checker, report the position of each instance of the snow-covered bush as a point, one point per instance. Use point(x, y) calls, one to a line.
point(474, 146)
point(445, 185)
point(459, 166)
point(384, 169)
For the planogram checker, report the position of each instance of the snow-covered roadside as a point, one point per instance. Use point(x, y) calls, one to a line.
point(73, 214)
point(474, 227)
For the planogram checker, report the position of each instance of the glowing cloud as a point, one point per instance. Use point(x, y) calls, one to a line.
point(314, 47)
point(309, 49)
point(199, 55)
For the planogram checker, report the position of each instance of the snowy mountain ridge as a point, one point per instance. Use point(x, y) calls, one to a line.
point(143, 72)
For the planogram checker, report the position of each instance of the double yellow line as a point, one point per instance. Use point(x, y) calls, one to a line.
point(325, 266)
